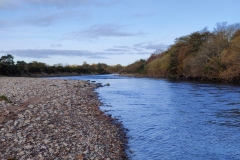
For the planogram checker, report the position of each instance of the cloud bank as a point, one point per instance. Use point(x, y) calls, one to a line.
point(140, 49)
point(152, 46)
point(48, 53)
point(18, 4)
point(98, 31)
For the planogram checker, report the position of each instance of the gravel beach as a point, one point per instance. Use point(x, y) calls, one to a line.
point(56, 119)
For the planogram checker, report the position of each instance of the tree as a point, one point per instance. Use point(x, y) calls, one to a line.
point(7, 60)
point(231, 58)
point(7, 65)
point(36, 67)
point(21, 66)
point(136, 67)
point(226, 31)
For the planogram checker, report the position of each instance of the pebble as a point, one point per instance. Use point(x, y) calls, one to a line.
point(56, 119)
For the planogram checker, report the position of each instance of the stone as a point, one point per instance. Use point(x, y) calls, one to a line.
point(79, 157)
point(56, 122)
point(27, 121)
point(28, 147)
point(38, 118)
point(30, 106)
point(65, 144)
point(46, 141)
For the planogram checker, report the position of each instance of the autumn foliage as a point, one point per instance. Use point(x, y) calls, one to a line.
point(202, 55)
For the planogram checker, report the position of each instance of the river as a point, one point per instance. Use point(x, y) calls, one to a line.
point(170, 120)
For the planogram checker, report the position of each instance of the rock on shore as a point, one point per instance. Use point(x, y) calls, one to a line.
point(55, 119)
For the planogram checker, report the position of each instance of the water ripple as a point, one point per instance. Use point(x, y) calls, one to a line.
point(174, 120)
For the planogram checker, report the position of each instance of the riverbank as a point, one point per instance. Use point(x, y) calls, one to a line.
point(235, 80)
point(175, 119)
point(36, 75)
point(56, 119)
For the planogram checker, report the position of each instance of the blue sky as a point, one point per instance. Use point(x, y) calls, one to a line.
point(103, 31)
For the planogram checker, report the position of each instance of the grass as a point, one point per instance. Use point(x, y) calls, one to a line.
point(4, 98)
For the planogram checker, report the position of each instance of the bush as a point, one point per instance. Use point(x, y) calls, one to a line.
point(4, 98)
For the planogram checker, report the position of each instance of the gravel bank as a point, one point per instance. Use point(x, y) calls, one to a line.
point(56, 119)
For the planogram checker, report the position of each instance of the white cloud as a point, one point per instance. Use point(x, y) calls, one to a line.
point(39, 21)
point(139, 49)
point(56, 45)
point(47, 53)
point(98, 31)
point(141, 15)
point(152, 46)
point(60, 3)
point(8, 4)
point(42, 19)
point(126, 50)
point(14, 4)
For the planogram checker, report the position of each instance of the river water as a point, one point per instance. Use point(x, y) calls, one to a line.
point(172, 120)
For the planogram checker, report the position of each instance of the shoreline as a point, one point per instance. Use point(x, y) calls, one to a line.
point(46, 75)
point(53, 118)
point(191, 79)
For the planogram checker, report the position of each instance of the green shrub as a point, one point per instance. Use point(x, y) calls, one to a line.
point(4, 98)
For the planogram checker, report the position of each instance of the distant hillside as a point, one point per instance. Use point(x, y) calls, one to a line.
point(202, 55)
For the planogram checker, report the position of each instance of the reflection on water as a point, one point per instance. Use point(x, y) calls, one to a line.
point(172, 119)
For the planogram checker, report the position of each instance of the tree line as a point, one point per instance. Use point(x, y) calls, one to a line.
point(202, 55)
point(9, 68)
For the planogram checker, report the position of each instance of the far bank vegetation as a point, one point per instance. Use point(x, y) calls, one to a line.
point(201, 55)
point(9, 68)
